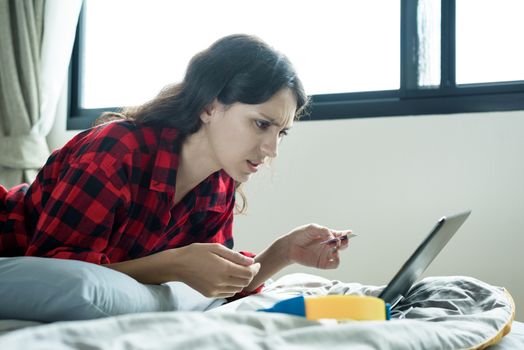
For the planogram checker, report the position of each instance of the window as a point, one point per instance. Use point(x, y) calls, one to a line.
point(489, 41)
point(356, 58)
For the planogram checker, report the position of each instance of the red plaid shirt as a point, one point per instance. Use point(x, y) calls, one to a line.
point(107, 196)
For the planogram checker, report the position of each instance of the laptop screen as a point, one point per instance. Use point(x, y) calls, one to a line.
point(415, 266)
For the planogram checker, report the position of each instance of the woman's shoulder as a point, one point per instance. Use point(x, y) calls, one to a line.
point(114, 132)
point(115, 136)
point(110, 142)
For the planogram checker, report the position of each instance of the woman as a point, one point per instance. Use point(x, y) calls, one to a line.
point(153, 195)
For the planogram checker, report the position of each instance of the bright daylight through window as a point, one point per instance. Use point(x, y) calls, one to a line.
point(489, 41)
point(133, 48)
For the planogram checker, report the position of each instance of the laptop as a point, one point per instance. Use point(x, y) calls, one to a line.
point(418, 262)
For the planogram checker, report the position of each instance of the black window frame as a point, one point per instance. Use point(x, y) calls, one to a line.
point(408, 100)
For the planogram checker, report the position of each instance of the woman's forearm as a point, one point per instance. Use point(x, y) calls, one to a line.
point(164, 267)
point(148, 270)
point(272, 259)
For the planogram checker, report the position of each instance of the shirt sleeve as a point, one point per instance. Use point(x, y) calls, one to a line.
point(78, 215)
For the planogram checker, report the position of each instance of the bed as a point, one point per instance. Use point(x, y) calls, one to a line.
point(471, 314)
point(166, 331)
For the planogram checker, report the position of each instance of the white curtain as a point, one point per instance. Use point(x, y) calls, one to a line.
point(36, 41)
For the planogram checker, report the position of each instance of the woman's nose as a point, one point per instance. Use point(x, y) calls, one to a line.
point(269, 146)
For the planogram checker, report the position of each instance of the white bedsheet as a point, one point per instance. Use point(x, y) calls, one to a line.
point(513, 341)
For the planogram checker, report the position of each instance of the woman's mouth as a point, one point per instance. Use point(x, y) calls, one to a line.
point(253, 166)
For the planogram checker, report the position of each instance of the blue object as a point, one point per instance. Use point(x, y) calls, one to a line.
point(340, 307)
point(293, 306)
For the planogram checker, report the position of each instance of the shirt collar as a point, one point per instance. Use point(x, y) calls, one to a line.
point(214, 193)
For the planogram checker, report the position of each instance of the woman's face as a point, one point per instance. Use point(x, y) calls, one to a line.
point(243, 137)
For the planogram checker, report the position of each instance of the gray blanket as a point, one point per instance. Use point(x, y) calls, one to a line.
point(438, 313)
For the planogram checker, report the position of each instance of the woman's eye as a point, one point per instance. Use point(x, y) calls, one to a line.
point(262, 124)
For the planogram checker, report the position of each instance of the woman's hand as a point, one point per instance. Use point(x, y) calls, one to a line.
point(211, 269)
point(305, 246)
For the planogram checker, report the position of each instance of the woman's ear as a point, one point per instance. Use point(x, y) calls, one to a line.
point(209, 112)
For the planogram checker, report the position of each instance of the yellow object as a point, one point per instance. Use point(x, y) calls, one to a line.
point(345, 307)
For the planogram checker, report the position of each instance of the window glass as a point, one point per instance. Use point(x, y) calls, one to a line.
point(489, 41)
point(132, 48)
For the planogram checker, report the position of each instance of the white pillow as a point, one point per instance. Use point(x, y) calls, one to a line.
point(48, 290)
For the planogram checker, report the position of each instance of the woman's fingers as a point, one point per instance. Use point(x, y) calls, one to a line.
point(215, 270)
point(343, 238)
point(243, 272)
point(231, 255)
point(332, 260)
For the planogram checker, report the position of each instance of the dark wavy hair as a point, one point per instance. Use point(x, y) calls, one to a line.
point(237, 68)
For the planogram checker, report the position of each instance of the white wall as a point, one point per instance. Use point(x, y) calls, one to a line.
point(390, 180)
